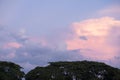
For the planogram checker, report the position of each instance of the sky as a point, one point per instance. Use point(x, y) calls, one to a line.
point(35, 32)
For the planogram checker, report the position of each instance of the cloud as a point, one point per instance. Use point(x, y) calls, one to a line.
point(32, 55)
point(12, 45)
point(100, 33)
point(115, 33)
point(91, 39)
point(20, 36)
point(113, 10)
point(30, 51)
point(36, 53)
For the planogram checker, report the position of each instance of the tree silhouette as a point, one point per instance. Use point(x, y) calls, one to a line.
point(10, 71)
point(80, 70)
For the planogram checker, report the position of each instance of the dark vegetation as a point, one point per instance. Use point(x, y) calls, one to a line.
point(79, 70)
point(10, 71)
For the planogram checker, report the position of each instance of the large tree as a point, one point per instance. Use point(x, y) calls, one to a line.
point(10, 71)
point(82, 70)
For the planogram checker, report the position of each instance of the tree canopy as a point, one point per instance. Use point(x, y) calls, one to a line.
point(80, 70)
point(10, 71)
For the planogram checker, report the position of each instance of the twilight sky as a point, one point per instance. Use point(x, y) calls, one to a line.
point(34, 32)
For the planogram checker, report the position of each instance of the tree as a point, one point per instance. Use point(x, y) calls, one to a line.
point(10, 71)
point(80, 70)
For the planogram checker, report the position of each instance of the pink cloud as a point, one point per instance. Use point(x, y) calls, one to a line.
point(97, 32)
point(12, 45)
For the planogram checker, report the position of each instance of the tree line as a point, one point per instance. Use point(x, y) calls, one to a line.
point(77, 70)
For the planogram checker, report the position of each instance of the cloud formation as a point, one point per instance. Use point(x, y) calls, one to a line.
point(101, 33)
point(113, 10)
point(12, 45)
point(31, 55)
point(30, 51)
point(92, 39)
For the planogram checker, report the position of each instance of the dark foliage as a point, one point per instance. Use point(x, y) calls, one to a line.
point(10, 71)
point(81, 70)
